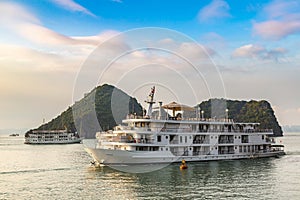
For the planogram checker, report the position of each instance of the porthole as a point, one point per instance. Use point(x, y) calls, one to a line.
point(167, 137)
point(161, 149)
point(166, 149)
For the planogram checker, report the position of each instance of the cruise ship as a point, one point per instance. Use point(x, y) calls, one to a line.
point(165, 139)
point(51, 137)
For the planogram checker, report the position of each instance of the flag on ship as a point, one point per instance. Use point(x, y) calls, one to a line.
point(152, 92)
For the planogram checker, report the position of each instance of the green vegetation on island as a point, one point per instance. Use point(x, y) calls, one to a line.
point(243, 111)
point(105, 107)
point(101, 109)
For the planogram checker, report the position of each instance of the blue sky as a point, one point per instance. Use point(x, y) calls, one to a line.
point(43, 44)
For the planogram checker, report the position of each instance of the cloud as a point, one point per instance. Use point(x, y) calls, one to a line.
point(11, 13)
point(275, 53)
point(283, 19)
point(72, 6)
point(248, 51)
point(117, 1)
point(214, 40)
point(42, 35)
point(279, 8)
point(34, 84)
point(275, 29)
point(258, 52)
point(21, 21)
point(50, 60)
point(216, 9)
point(23, 58)
point(195, 51)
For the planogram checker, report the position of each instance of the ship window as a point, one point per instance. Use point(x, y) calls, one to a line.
point(185, 139)
point(167, 137)
point(212, 137)
point(216, 147)
point(166, 149)
point(161, 149)
point(158, 138)
point(190, 148)
point(180, 139)
point(263, 137)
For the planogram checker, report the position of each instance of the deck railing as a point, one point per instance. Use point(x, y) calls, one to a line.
point(190, 130)
point(180, 118)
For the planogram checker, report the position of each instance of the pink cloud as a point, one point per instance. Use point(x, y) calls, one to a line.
point(275, 29)
point(258, 52)
point(216, 9)
point(19, 20)
point(283, 19)
point(248, 51)
point(11, 13)
point(72, 6)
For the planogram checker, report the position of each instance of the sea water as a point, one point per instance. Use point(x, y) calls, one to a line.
point(64, 172)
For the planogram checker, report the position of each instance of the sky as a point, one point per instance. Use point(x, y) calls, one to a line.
point(54, 51)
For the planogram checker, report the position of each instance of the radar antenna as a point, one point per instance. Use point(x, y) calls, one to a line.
point(150, 101)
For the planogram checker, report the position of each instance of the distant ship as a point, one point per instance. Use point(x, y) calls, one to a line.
point(51, 137)
point(165, 139)
point(14, 135)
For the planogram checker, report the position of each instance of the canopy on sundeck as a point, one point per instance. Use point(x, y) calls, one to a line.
point(174, 106)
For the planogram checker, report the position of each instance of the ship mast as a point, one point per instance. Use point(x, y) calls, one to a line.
point(150, 101)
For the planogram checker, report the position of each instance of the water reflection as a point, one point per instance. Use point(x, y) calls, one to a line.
point(220, 179)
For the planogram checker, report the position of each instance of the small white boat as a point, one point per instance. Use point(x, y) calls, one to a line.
point(51, 137)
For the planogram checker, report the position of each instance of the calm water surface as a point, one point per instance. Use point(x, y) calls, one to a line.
point(64, 172)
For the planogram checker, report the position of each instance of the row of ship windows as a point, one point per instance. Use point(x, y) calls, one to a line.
point(244, 138)
point(64, 136)
point(244, 149)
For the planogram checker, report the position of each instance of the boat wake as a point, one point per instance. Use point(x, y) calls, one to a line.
point(33, 171)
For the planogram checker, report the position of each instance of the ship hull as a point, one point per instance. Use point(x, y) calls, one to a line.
point(108, 157)
point(75, 141)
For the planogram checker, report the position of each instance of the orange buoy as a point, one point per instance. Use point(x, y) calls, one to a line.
point(183, 165)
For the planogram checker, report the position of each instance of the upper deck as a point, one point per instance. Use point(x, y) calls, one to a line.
point(188, 125)
point(176, 120)
point(163, 122)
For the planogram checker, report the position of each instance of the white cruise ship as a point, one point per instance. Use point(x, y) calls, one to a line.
point(158, 139)
point(51, 137)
